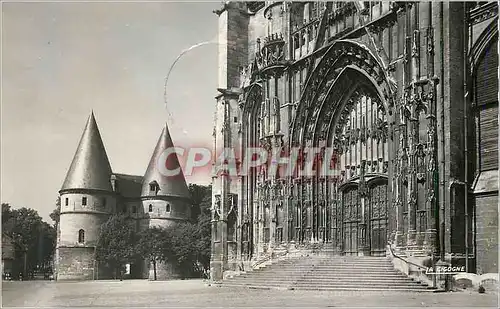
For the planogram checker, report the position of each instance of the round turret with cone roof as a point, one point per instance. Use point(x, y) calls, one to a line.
point(87, 200)
point(165, 195)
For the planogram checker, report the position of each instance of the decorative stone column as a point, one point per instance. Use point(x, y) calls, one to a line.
point(364, 239)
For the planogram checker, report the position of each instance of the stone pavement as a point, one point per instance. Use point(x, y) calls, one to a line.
point(195, 293)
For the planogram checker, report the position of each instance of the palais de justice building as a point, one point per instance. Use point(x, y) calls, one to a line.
point(91, 193)
point(406, 95)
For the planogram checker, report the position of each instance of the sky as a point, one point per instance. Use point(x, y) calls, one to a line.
point(60, 61)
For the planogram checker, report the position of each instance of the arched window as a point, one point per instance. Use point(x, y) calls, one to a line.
point(81, 236)
point(168, 208)
point(150, 208)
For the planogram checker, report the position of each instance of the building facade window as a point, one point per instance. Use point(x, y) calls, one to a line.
point(104, 201)
point(66, 201)
point(81, 236)
point(84, 201)
point(150, 208)
point(168, 208)
point(134, 209)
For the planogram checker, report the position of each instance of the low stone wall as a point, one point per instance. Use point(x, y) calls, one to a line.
point(489, 281)
point(412, 271)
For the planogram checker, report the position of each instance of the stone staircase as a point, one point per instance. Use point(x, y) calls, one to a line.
point(328, 273)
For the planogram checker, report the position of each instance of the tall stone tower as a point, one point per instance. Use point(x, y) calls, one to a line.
point(165, 195)
point(87, 200)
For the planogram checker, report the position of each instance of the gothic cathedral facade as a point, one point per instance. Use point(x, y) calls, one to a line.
point(405, 93)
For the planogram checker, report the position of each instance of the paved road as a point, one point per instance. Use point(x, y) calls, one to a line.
point(195, 293)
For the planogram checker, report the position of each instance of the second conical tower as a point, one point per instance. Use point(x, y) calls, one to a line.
point(165, 195)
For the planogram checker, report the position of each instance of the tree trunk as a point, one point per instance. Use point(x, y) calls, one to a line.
point(154, 268)
point(25, 268)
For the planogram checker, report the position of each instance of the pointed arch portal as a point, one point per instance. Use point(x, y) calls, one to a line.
point(346, 105)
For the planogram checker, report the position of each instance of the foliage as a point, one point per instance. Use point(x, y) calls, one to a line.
point(154, 246)
point(34, 240)
point(201, 197)
point(204, 241)
point(117, 242)
point(202, 203)
point(6, 213)
point(187, 245)
point(56, 213)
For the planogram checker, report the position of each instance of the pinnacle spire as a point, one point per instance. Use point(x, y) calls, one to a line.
point(160, 165)
point(90, 168)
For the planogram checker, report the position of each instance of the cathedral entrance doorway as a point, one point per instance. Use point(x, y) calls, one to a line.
point(355, 239)
point(351, 220)
point(378, 219)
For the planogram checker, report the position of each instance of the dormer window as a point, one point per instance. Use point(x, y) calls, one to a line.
point(153, 187)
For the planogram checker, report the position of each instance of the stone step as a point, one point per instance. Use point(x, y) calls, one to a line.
point(327, 288)
point(386, 262)
point(383, 276)
point(327, 281)
point(358, 279)
point(328, 273)
point(262, 282)
point(354, 285)
point(316, 272)
point(358, 276)
point(334, 267)
point(338, 271)
point(330, 288)
point(357, 283)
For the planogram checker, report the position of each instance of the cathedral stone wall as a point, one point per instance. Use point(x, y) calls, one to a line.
point(487, 233)
point(388, 86)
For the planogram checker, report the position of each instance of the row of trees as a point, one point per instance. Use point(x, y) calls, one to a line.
point(186, 245)
point(33, 240)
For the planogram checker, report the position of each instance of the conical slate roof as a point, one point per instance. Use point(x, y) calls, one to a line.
point(90, 168)
point(159, 165)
